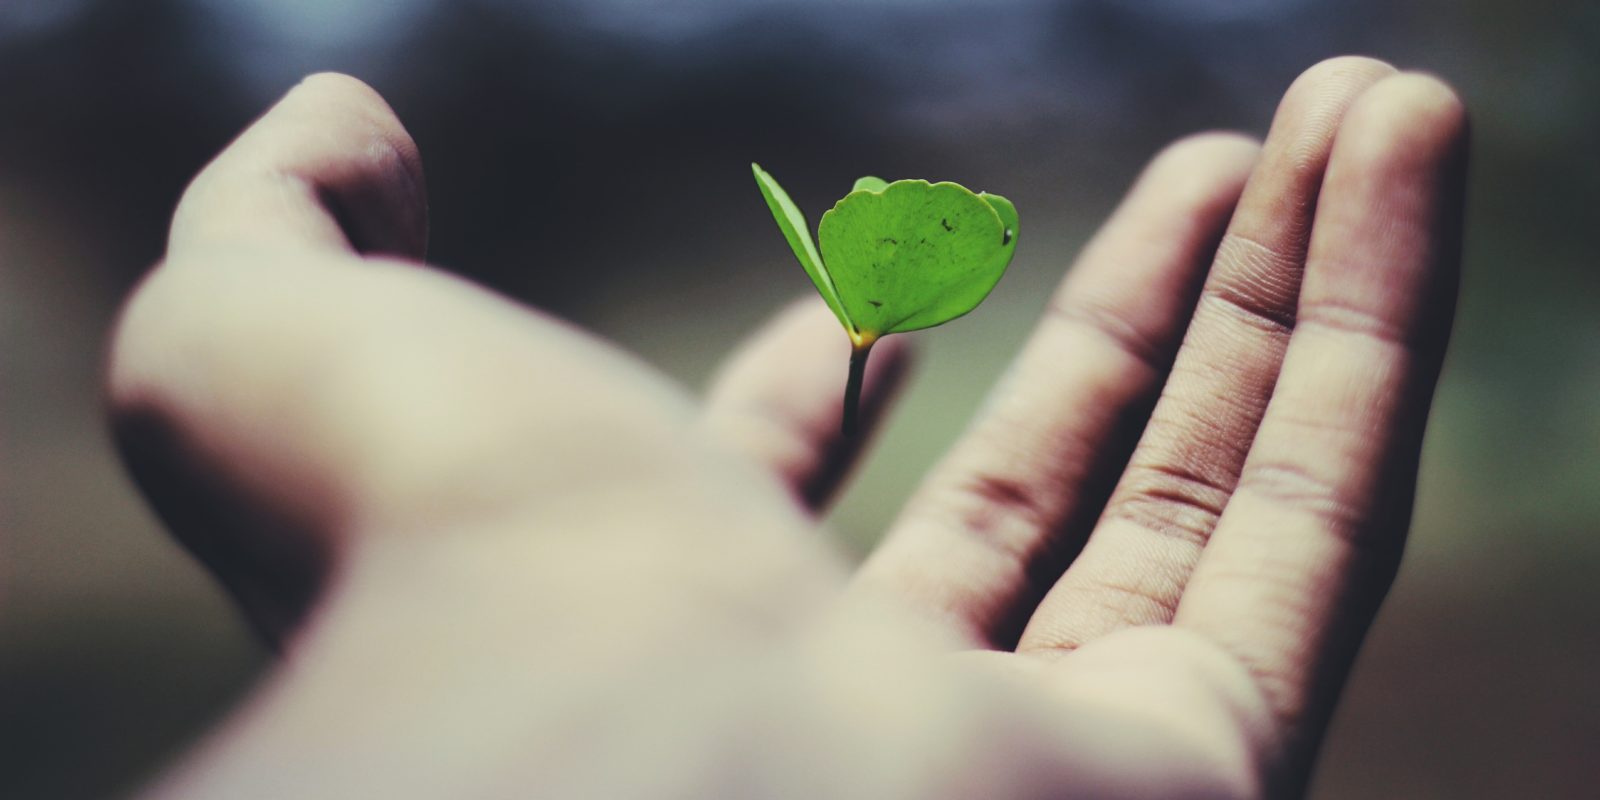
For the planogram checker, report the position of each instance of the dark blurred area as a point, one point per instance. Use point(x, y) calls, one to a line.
point(591, 157)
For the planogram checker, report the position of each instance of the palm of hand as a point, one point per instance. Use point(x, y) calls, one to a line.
point(1134, 602)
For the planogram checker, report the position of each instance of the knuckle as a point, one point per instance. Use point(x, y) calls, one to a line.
point(1180, 502)
point(1151, 599)
point(1300, 487)
point(1004, 512)
point(1255, 281)
point(156, 328)
point(1353, 320)
point(213, 325)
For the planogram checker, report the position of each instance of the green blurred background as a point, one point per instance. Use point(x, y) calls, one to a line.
point(614, 136)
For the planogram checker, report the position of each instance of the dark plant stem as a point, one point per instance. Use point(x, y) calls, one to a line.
point(852, 388)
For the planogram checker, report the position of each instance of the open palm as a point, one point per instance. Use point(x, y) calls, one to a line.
point(503, 559)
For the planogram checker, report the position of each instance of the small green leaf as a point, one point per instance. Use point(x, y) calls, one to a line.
point(897, 257)
point(793, 225)
point(915, 255)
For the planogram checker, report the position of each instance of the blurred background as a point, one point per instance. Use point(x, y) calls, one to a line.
point(591, 157)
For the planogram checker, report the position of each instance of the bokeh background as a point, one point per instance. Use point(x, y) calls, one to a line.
point(591, 156)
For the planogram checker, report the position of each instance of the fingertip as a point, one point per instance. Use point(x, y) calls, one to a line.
point(1203, 166)
point(1389, 226)
point(329, 166)
point(1230, 148)
point(1337, 74)
point(338, 84)
point(1325, 89)
point(1409, 114)
point(341, 94)
point(1314, 106)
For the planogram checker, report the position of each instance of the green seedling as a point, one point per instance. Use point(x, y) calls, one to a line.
point(897, 257)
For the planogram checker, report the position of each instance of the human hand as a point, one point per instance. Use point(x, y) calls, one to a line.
point(503, 559)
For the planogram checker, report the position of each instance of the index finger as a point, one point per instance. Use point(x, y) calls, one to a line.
point(328, 167)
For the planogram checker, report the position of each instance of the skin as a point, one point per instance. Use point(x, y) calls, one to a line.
point(500, 558)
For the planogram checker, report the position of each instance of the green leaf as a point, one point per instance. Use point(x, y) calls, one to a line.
point(914, 255)
point(793, 225)
point(897, 257)
point(867, 183)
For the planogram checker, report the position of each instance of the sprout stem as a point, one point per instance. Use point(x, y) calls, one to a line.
point(852, 387)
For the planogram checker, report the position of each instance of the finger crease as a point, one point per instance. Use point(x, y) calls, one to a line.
point(1257, 280)
point(1172, 501)
point(1296, 487)
point(998, 499)
point(1346, 318)
point(1242, 306)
